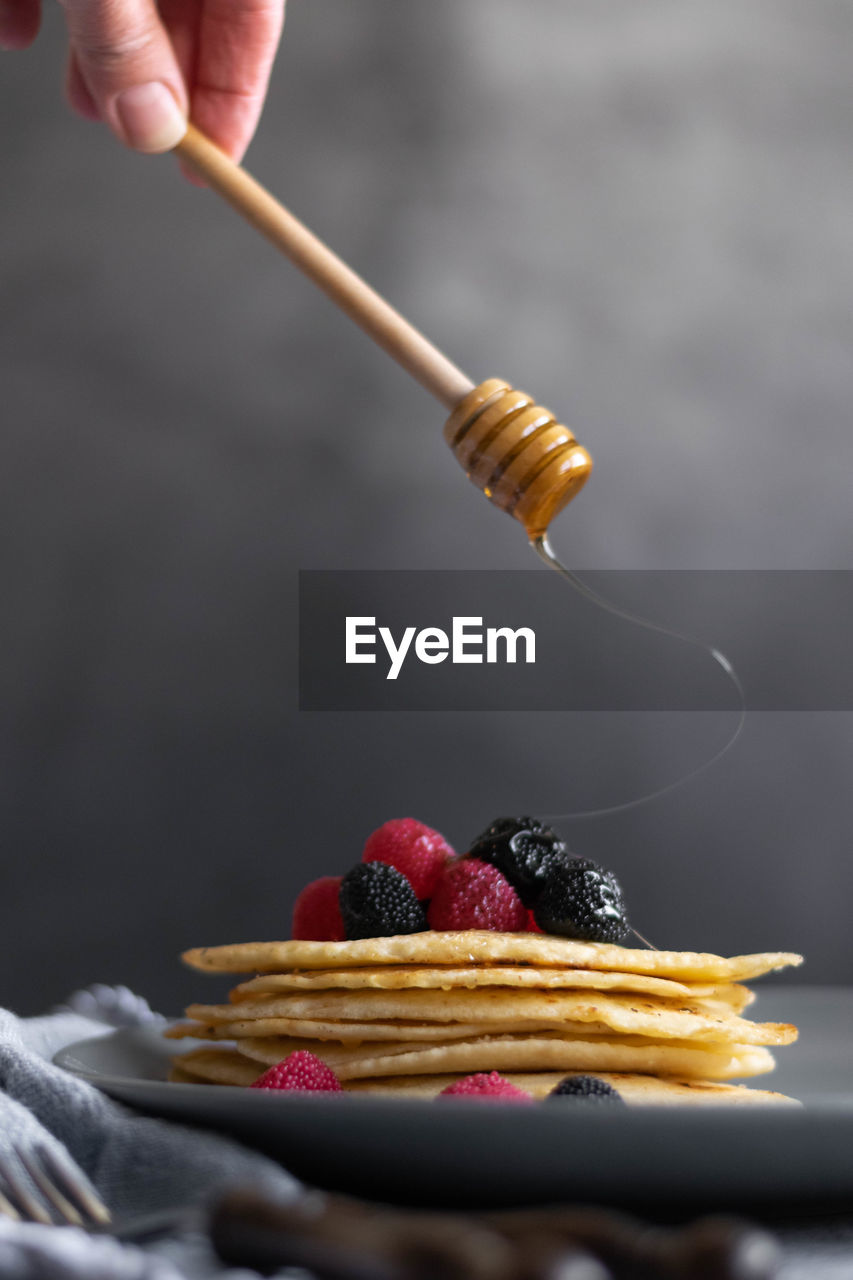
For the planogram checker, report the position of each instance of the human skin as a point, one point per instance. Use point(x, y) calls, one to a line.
point(144, 67)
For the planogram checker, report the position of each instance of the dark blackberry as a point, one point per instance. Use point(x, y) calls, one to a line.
point(591, 1087)
point(377, 901)
point(581, 900)
point(522, 849)
point(509, 826)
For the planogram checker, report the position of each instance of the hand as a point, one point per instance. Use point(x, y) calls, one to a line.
point(143, 67)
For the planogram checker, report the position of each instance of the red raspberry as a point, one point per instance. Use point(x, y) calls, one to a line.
point(474, 895)
point(490, 1087)
point(415, 850)
point(302, 1072)
point(316, 913)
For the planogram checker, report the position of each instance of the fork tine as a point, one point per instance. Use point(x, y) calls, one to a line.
point(52, 1194)
point(8, 1210)
point(28, 1206)
point(73, 1183)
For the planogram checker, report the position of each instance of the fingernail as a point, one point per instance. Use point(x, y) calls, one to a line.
point(150, 117)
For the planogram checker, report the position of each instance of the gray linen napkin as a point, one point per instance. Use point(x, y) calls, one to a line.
point(138, 1164)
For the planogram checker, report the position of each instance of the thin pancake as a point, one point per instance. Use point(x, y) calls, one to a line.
point(217, 1066)
point(225, 1067)
point(549, 1052)
point(447, 978)
point(629, 1015)
point(637, 1090)
point(346, 1031)
point(480, 946)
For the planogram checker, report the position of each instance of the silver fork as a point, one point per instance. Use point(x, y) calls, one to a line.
point(42, 1185)
point(45, 1186)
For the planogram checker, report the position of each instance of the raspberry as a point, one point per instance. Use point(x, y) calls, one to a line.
point(316, 913)
point(417, 851)
point(301, 1072)
point(473, 895)
point(523, 849)
point(377, 901)
point(490, 1087)
point(582, 900)
point(588, 1087)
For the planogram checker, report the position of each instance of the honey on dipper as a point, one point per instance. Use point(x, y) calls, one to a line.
point(515, 451)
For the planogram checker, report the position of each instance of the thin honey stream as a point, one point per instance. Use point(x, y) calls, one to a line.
point(531, 466)
point(543, 549)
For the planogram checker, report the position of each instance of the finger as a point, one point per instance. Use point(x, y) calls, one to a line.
point(181, 20)
point(78, 95)
point(237, 45)
point(19, 23)
point(129, 67)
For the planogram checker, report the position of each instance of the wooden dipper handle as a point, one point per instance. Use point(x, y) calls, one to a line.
point(513, 450)
point(339, 282)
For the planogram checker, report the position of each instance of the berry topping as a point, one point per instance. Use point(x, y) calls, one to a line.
point(377, 901)
point(582, 900)
point(488, 1086)
point(302, 1072)
point(592, 1087)
point(473, 895)
point(523, 850)
point(532, 926)
point(417, 851)
point(316, 912)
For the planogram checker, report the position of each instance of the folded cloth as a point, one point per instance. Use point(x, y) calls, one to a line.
point(137, 1164)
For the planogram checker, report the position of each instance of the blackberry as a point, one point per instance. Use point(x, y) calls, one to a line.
point(523, 850)
point(581, 900)
point(590, 1087)
point(377, 901)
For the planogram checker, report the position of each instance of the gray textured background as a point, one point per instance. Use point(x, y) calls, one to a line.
point(643, 212)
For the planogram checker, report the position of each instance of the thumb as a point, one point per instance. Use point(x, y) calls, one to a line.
point(129, 67)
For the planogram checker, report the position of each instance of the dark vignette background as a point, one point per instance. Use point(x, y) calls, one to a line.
point(640, 212)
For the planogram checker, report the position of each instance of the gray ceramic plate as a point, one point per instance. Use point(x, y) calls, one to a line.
point(473, 1153)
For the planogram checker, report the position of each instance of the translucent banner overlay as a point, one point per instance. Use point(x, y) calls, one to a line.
point(492, 640)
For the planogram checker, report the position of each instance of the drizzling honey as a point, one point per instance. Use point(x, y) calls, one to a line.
point(543, 549)
point(531, 466)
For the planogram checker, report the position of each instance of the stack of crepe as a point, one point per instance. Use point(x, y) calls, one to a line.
point(410, 1014)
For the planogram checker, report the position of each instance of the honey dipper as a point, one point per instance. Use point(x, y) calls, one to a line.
point(512, 449)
